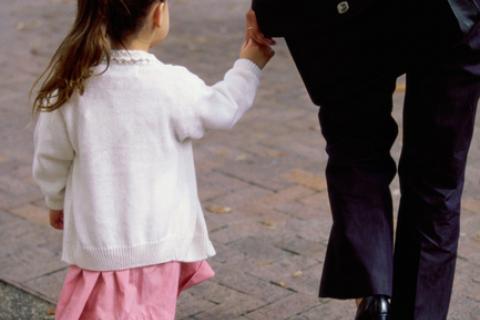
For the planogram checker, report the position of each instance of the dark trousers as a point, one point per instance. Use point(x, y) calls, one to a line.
point(350, 71)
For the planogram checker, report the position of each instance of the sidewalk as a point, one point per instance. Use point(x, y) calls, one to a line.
point(262, 184)
point(17, 304)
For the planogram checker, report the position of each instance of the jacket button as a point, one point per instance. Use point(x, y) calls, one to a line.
point(343, 7)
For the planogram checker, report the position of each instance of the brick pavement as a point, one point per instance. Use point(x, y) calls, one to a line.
point(262, 183)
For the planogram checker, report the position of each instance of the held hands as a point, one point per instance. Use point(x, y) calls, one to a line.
point(256, 47)
point(56, 219)
point(253, 30)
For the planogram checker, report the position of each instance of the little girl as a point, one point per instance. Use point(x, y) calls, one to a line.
point(113, 157)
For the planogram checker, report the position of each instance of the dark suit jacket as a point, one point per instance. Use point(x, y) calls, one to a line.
point(277, 18)
point(467, 12)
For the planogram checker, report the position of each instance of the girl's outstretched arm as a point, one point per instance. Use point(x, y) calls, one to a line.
point(219, 106)
point(223, 104)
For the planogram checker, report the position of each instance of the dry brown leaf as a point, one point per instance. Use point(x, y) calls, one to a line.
point(201, 39)
point(477, 237)
point(222, 152)
point(34, 52)
point(219, 209)
point(307, 179)
point(297, 274)
point(20, 26)
point(268, 224)
point(241, 157)
point(275, 154)
point(264, 263)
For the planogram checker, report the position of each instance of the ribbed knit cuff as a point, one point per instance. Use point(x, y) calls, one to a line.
point(54, 204)
point(249, 65)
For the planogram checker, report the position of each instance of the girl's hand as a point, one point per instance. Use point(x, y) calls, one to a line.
point(56, 219)
point(253, 30)
point(259, 54)
point(256, 48)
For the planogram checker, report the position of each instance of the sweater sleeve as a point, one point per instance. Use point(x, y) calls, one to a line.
point(220, 106)
point(53, 156)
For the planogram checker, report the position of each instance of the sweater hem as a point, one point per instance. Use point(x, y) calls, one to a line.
point(109, 259)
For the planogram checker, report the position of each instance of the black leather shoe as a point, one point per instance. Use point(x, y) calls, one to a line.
point(374, 308)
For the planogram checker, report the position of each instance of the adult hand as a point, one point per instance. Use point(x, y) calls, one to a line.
point(56, 219)
point(253, 31)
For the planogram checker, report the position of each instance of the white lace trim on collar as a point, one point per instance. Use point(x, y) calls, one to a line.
point(132, 56)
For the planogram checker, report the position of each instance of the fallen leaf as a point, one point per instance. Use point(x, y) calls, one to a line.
point(20, 26)
point(477, 237)
point(264, 263)
point(34, 52)
point(268, 224)
point(297, 274)
point(241, 157)
point(219, 209)
point(276, 154)
point(279, 283)
point(307, 179)
point(201, 39)
point(222, 151)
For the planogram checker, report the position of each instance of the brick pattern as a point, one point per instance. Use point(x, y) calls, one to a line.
point(262, 184)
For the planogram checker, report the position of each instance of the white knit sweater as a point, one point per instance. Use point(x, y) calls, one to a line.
point(118, 159)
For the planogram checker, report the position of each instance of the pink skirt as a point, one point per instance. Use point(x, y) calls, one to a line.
point(146, 293)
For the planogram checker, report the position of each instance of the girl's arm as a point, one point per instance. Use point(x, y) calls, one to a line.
point(53, 157)
point(219, 106)
point(222, 105)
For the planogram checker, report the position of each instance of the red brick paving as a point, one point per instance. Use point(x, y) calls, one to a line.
point(263, 181)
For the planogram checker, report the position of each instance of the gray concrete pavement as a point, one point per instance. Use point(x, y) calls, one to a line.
point(17, 304)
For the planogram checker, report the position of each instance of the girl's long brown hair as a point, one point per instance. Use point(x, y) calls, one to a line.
point(99, 25)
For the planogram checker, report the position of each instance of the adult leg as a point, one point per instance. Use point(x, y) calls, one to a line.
point(359, 134)
point(439, 120)
point(350, 72)
point(439, 116)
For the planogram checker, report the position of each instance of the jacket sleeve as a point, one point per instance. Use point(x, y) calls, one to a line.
point(275, 17)
point(219, 106)
point(466, 12)
point(53, 156)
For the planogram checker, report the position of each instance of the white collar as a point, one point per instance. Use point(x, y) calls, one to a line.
point(123, 56)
